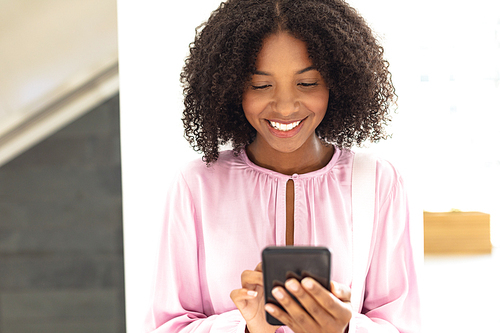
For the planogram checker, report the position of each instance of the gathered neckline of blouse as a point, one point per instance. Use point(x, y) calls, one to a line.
point(327, 168)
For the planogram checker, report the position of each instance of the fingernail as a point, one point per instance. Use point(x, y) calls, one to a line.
point(251, 293)
point(307, 283)
point(278, 294)
point(269, 308)
point(292, 285)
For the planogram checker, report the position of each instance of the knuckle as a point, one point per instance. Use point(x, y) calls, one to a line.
point(245, 273)
point(282, 317)
point(245, 276)
point(314, 310)
point(331, 325)
point(330, 302)
point(301, 319)
point(286, 322)
point(291, 324)
point(235, 294)
point(347, 312)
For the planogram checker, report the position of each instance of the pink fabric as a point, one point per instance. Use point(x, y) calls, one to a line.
point(219, 218)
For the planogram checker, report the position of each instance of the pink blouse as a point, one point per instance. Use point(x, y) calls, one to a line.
point(219, 218)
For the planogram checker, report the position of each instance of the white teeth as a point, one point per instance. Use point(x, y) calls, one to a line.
point(284, 127)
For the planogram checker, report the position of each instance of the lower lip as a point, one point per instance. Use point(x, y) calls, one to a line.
point(285, 134)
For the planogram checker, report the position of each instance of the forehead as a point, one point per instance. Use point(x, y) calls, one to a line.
point(283, 51)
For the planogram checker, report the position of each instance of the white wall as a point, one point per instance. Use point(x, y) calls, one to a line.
point(445, 60)
point(442, 140)
point(153, 39)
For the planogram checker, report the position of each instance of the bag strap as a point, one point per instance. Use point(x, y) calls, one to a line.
point(363, 214)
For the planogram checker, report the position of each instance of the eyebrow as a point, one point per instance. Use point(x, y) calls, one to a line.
point(302, 71)
point(310, 68)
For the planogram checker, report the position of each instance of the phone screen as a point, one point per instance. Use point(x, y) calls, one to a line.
point(280, 263)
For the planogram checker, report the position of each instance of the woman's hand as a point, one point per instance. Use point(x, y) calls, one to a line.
point(250, 301)
point(326, 311)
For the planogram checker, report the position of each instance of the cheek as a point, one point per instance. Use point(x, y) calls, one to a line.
point(252, 106)
point(249, 111)
point(246, 104)
point(319, 103)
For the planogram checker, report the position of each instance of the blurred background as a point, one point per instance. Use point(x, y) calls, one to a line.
point(62, 240)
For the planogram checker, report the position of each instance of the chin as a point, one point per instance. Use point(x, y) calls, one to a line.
point(285, 149)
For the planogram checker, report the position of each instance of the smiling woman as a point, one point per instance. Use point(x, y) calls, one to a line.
point(444, 134)
point(291, 86)
point(285, 102)
point(344, 52)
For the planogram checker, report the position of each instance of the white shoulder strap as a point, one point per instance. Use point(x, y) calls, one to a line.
point(363, 210)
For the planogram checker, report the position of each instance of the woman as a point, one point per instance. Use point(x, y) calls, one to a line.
point(291, 85)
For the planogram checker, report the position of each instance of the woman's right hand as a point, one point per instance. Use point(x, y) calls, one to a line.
point(250, 301)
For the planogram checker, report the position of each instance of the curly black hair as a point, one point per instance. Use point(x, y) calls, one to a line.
point(340, 44)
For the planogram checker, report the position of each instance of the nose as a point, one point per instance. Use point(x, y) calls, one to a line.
point(285, 102)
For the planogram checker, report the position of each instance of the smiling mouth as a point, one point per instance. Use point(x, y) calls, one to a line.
point(284, 127)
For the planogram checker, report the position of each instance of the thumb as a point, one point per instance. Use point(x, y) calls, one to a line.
point(241, 296)
point(341, 291)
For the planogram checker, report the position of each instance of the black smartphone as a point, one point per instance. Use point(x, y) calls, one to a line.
point(280, 263)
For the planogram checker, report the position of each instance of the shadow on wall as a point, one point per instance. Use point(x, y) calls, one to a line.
point(61, 248)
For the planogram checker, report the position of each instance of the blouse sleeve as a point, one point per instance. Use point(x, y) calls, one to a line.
point(177, 300)
point(392, 302)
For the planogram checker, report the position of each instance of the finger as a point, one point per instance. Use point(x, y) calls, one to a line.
point(316, 312)
point(259, 267)
point(282, 316)
point(241, 296)
point(341, 291)
point(250, 279)
point(339, 309)
point(296, 318)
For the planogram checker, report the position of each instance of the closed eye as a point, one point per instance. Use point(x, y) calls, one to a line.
point(260, 87)
point(303, 84)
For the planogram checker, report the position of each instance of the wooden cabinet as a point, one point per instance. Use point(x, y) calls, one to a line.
point(456, 233)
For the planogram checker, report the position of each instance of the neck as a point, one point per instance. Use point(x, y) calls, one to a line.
point(311, 156)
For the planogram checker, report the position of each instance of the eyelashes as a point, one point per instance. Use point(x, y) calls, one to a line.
point(302, 84)
point(308, 84)
point(260, 87)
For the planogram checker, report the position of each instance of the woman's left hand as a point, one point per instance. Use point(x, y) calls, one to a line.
point(326, 311)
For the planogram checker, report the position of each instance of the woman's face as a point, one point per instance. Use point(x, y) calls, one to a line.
point(287, 97)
